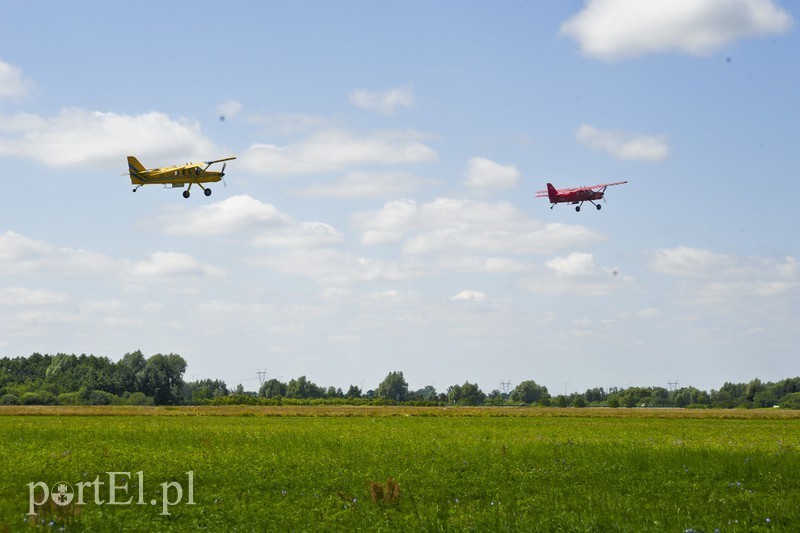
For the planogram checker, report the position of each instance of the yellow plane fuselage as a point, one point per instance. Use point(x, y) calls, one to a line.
point(176, 176)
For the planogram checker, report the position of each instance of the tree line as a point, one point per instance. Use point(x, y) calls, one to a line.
point(68, 379)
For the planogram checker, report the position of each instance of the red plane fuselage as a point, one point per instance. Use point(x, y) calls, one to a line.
point(572, 197)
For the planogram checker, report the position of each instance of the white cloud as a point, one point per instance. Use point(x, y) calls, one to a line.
point(12, 84)
point(242, 213)
point(77, 137)
point(384, 102)
point(289, 123)
point(366, 185)
point(575, 264)
point(612, 30)
point(710, 277)
point(470, 296)
point(484, 173)
point(622, 145)
point(229, 109)
point(446, 223)
point(335, 149)
point(103, 307)
point(21, 255)
point(19, 296)
point(233, 214)
point(300, 235)
point(332, 267)
point(348, 339)
point(685, 261)
point(489, 265)
point(577, 273)
point(166, 266)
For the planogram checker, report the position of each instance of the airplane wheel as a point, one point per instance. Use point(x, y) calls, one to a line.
point(578, 209)
point(207, 192)
point(599, 206)
point(186, 194)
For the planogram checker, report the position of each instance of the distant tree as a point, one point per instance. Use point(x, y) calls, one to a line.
point(787, 386)
point(272, 388)
point(495, 398)
point(204, 390)
point(659, 397)
point(9, 399)
point(791, 401)
point(466, 394)
point(393, 387)
point(729, 395)
point(163, 378)
point(629, 401)
point(59, 364)
point(302, 388)
point(528, 392)
point(427, 394)
point(633, 396)
point(579, 401)
point(353, 392)
point(596, 394)
point(688, 396)
point(333, 392)
point(138, 398)
point(130, 371)
point(453, 393)
point(753, 388)
point(765, 398)
point(561, 401)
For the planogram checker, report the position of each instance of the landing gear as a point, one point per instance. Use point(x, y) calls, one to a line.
point(578, 208)
point(206, 190)
point(598, 206)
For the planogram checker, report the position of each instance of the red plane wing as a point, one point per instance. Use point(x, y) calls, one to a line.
point(543, 194)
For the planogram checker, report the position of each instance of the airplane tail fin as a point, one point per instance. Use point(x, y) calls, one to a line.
point(134, 169)
point(551, 192)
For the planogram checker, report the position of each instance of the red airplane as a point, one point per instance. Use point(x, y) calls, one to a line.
point(577, 195)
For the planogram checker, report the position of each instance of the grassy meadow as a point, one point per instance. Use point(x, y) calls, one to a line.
point(387, 468)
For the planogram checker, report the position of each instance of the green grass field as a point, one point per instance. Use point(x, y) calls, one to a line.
point(401, 469)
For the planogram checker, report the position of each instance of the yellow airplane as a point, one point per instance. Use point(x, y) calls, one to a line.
point(177, 176)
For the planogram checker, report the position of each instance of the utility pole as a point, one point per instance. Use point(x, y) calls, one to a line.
point(262, 377)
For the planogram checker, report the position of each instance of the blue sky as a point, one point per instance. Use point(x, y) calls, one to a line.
point(381, 214)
